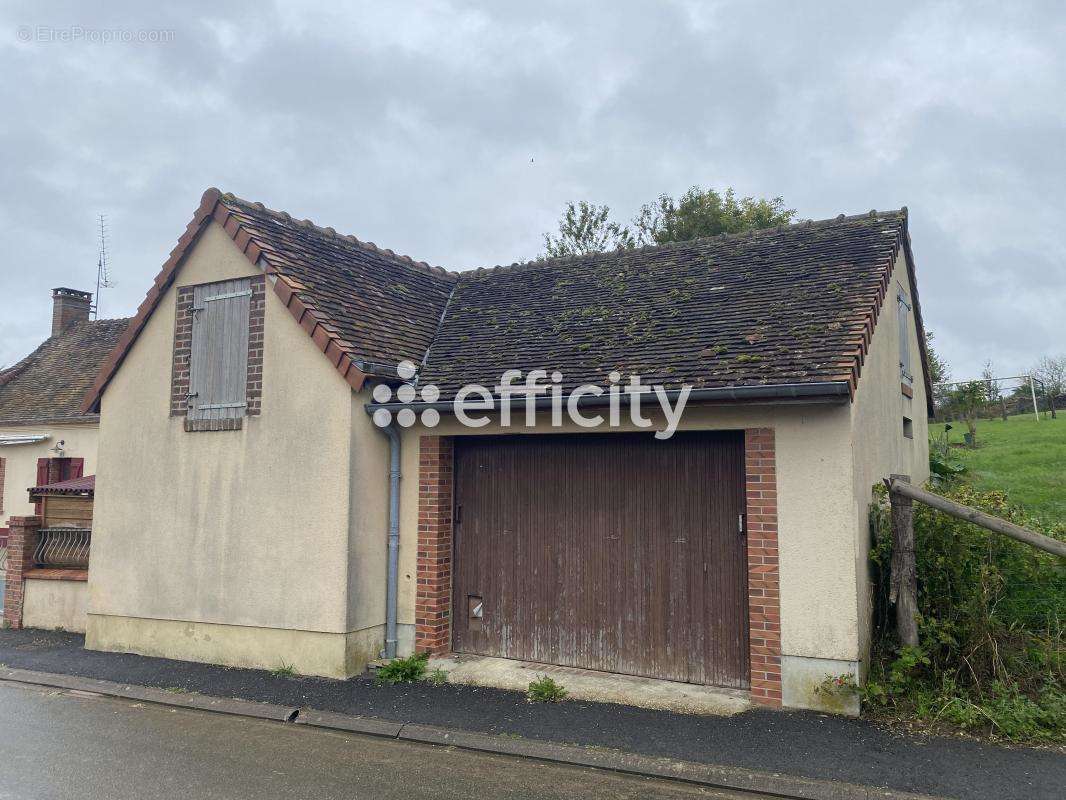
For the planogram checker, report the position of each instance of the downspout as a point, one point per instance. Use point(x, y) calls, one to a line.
point(393, 540)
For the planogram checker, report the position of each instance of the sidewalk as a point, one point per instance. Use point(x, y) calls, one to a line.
point(802, 744)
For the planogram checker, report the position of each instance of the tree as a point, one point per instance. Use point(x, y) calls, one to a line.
point(988, 375)
point(939, 371)
point(968, 399)
point(1051, 374)
point(586, 228)
point(702, 212)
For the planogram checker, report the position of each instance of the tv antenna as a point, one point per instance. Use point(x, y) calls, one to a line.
point(103, 276)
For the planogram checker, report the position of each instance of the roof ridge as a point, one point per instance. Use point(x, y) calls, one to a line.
point(535, 263)
point(331, 233)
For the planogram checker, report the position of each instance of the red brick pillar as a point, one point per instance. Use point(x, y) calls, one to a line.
point(764, 591)
point(21, 542)
point(434, 593)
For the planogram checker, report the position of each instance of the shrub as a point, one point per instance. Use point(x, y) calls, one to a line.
point(545, 690)
point(991, 646)
point(403, 670)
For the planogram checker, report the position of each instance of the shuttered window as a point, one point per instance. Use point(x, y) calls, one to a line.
point(218, 369)
point(904, 339)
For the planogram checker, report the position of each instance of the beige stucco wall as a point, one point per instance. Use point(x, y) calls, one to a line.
point(20, 460)
point(879, 447)
point(52, 604)
point(815, 516)
point(226, 532)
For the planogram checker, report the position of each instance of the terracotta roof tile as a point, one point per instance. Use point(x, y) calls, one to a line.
point(794, 304)
point(83, 485)
point(50, 382)
point(379, 306)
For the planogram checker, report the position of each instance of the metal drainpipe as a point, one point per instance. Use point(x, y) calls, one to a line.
point(394, 540)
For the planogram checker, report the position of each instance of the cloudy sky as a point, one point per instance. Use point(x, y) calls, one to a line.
point(456, 132)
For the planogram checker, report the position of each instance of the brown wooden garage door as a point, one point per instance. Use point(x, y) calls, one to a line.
point(613, 552)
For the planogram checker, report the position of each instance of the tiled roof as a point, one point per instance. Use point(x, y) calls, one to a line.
point(384, 307)
point(366, 308)
point(50, 383)
point(83, 485)
point(788, 305)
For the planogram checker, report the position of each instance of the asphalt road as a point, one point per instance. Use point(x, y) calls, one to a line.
point(62, 744)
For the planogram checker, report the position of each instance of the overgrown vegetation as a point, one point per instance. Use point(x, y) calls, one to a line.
point(545, 690)
point(403, 670)
point(991, 645)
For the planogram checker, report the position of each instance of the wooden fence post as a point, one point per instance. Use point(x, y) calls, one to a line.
point(904, 587)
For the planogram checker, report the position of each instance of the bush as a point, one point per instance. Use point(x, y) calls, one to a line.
point(991, 646)
point(545, 690)
point(403, 670)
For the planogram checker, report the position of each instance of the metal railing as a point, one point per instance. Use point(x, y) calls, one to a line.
point(66, 548)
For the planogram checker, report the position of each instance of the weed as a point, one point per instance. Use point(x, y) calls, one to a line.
point(176, 690)
point(284, 671)
point(437, 677)
point(403, 670)
point(545, 690)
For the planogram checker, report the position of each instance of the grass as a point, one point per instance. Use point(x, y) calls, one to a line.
point(284, 671)
point(1022, 457)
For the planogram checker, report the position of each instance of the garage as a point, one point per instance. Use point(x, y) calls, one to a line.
point(614, 552)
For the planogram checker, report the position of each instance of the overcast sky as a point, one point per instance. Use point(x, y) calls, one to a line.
point(456, 133)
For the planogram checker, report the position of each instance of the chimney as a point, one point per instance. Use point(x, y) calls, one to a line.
point(69, 306)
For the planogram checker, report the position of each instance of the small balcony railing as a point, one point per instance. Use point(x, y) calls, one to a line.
point(63, 548)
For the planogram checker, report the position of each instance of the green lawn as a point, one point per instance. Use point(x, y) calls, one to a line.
point(1023, 457)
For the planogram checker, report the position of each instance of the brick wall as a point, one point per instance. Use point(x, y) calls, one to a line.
point(179, 375)
point(764, 597)
point(3, 467)
point(21, 542)
point(434, 592)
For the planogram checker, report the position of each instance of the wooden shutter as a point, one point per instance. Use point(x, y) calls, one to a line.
point(218, 374)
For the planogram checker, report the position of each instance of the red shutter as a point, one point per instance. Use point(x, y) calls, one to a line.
point(42, 480)
point(76, 468)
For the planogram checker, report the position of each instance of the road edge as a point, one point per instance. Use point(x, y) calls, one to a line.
point(711, 776)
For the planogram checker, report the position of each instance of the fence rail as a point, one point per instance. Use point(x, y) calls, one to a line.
point(66, 548)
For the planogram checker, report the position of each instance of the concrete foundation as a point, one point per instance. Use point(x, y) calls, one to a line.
point(604, 687)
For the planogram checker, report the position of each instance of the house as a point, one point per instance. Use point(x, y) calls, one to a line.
point(658, 462)
point(44, 435)
point(45, 438)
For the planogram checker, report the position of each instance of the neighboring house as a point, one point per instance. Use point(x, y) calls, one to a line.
point(247, 511)
point(44, 435)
